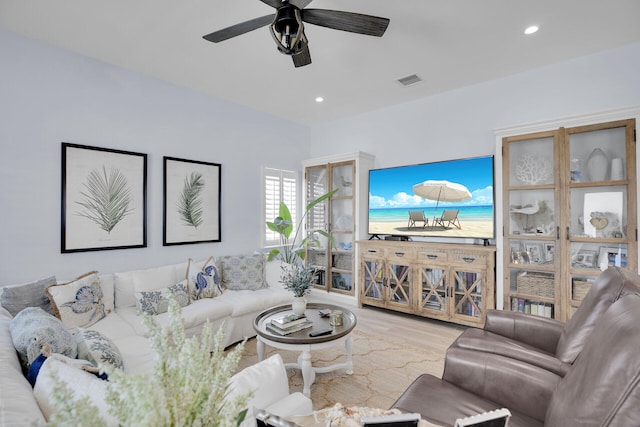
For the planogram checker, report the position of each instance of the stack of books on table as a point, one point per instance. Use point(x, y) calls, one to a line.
point(289, 323)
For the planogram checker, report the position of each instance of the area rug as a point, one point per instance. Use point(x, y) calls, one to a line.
point(382, 370)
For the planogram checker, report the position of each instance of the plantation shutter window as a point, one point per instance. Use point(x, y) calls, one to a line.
point(279, 186)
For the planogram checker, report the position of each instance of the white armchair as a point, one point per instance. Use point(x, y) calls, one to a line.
point(270, 385)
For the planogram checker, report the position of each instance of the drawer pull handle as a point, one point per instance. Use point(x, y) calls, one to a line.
point(399, 253)
point(372, 251)
point(432, 256)
point(468, 259)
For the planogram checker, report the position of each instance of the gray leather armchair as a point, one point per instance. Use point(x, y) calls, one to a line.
point(601, 388)
point(548, 343)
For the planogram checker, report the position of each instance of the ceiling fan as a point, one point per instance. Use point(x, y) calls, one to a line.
point(287, 28)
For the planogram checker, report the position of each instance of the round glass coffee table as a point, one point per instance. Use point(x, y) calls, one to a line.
point(302, 342)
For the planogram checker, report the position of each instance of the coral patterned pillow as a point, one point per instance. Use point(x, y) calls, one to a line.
point(157, 302)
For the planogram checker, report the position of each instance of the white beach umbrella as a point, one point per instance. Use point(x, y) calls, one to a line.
point(441, 191)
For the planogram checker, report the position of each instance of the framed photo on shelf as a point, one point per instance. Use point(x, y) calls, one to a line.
point(191, 208)
point(584, 258)
point(612, 257)
point(519, 257)
point(103, 199)
point(535, 252)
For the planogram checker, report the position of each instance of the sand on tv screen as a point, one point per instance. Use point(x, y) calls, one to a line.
point(452, 198)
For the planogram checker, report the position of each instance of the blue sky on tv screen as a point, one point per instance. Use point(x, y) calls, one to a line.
point(392, 187)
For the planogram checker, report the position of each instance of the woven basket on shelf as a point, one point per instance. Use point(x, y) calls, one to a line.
point(580, 288)
point(536, 284)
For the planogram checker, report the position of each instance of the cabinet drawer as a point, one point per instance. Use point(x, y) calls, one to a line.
point(432, 255)
point(476, 259)
point(399, 256)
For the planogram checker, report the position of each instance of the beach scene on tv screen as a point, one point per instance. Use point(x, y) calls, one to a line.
point(448, 199)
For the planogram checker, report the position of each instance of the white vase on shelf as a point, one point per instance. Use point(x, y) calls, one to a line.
point(617, 169)
point(598, 165)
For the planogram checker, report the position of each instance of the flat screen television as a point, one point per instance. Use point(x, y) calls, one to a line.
point(453, 198)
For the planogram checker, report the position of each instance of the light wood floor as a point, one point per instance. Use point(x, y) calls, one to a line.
point(407, 329)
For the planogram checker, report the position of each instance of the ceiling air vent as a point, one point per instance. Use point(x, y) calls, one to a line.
point(409, 80)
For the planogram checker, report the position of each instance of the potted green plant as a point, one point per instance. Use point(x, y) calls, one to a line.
point(290, 251)
point(296, 275)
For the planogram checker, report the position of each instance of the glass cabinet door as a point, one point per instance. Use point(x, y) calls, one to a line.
point(532, 226)
point(467, 293)
point(399, 284)
point(333, 260)
point(433, 288)
point(601, 224)
point(373, 279)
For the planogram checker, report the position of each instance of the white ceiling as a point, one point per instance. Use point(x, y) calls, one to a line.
point(448, 43)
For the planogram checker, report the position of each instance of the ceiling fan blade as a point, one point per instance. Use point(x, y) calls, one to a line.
point(346, 21)
point(239, 29)
point(273, 3)
point(303, 58)
point(300, 4)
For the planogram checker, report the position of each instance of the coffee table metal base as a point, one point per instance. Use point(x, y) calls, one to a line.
point(304, 359)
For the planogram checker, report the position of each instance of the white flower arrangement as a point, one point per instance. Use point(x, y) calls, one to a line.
point(188, 387)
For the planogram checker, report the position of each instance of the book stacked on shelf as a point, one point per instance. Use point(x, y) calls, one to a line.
point(289, 323)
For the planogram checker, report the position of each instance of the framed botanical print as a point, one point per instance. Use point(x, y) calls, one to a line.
point(104, 199)
point(191, 202)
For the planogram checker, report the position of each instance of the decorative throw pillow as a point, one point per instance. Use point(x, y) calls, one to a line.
point(203, 282)
point(98, 349)
point(243, 272)
point(78, 303)
point(15, 298)
point(157, 302)
point(32, 328)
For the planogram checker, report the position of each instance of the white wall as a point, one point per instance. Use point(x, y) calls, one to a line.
point(460, 123)
point(48, 95)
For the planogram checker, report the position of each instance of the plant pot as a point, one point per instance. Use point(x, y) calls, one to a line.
point(299, 305)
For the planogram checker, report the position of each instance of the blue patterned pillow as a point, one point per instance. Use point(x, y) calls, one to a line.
point(243, 272)
point(78, 303)
point(203, 282)
point(157, 302)
point(32, 328)
point(98, 349)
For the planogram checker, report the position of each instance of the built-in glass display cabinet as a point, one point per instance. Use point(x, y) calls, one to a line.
point(569, 213)
point(341, 216)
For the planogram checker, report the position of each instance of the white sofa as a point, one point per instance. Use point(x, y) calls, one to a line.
point(236, 309)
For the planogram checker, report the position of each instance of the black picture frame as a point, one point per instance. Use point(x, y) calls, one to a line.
point(103, 199)
point(191, 201)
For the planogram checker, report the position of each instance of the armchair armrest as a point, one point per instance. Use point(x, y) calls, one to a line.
point(511, 383)
point(540, 332)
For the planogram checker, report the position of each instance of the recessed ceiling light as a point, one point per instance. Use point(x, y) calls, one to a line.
point(319, 99)
point(532, 29)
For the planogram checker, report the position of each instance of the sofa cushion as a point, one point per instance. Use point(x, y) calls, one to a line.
point(128, 282)
point(243, 271)
point(32, 328)
point(203, 279)
point(157, 301)
point(14, 298)
point(98, 349)
point(194, 315)
point(78, 303)
point(18, 406)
